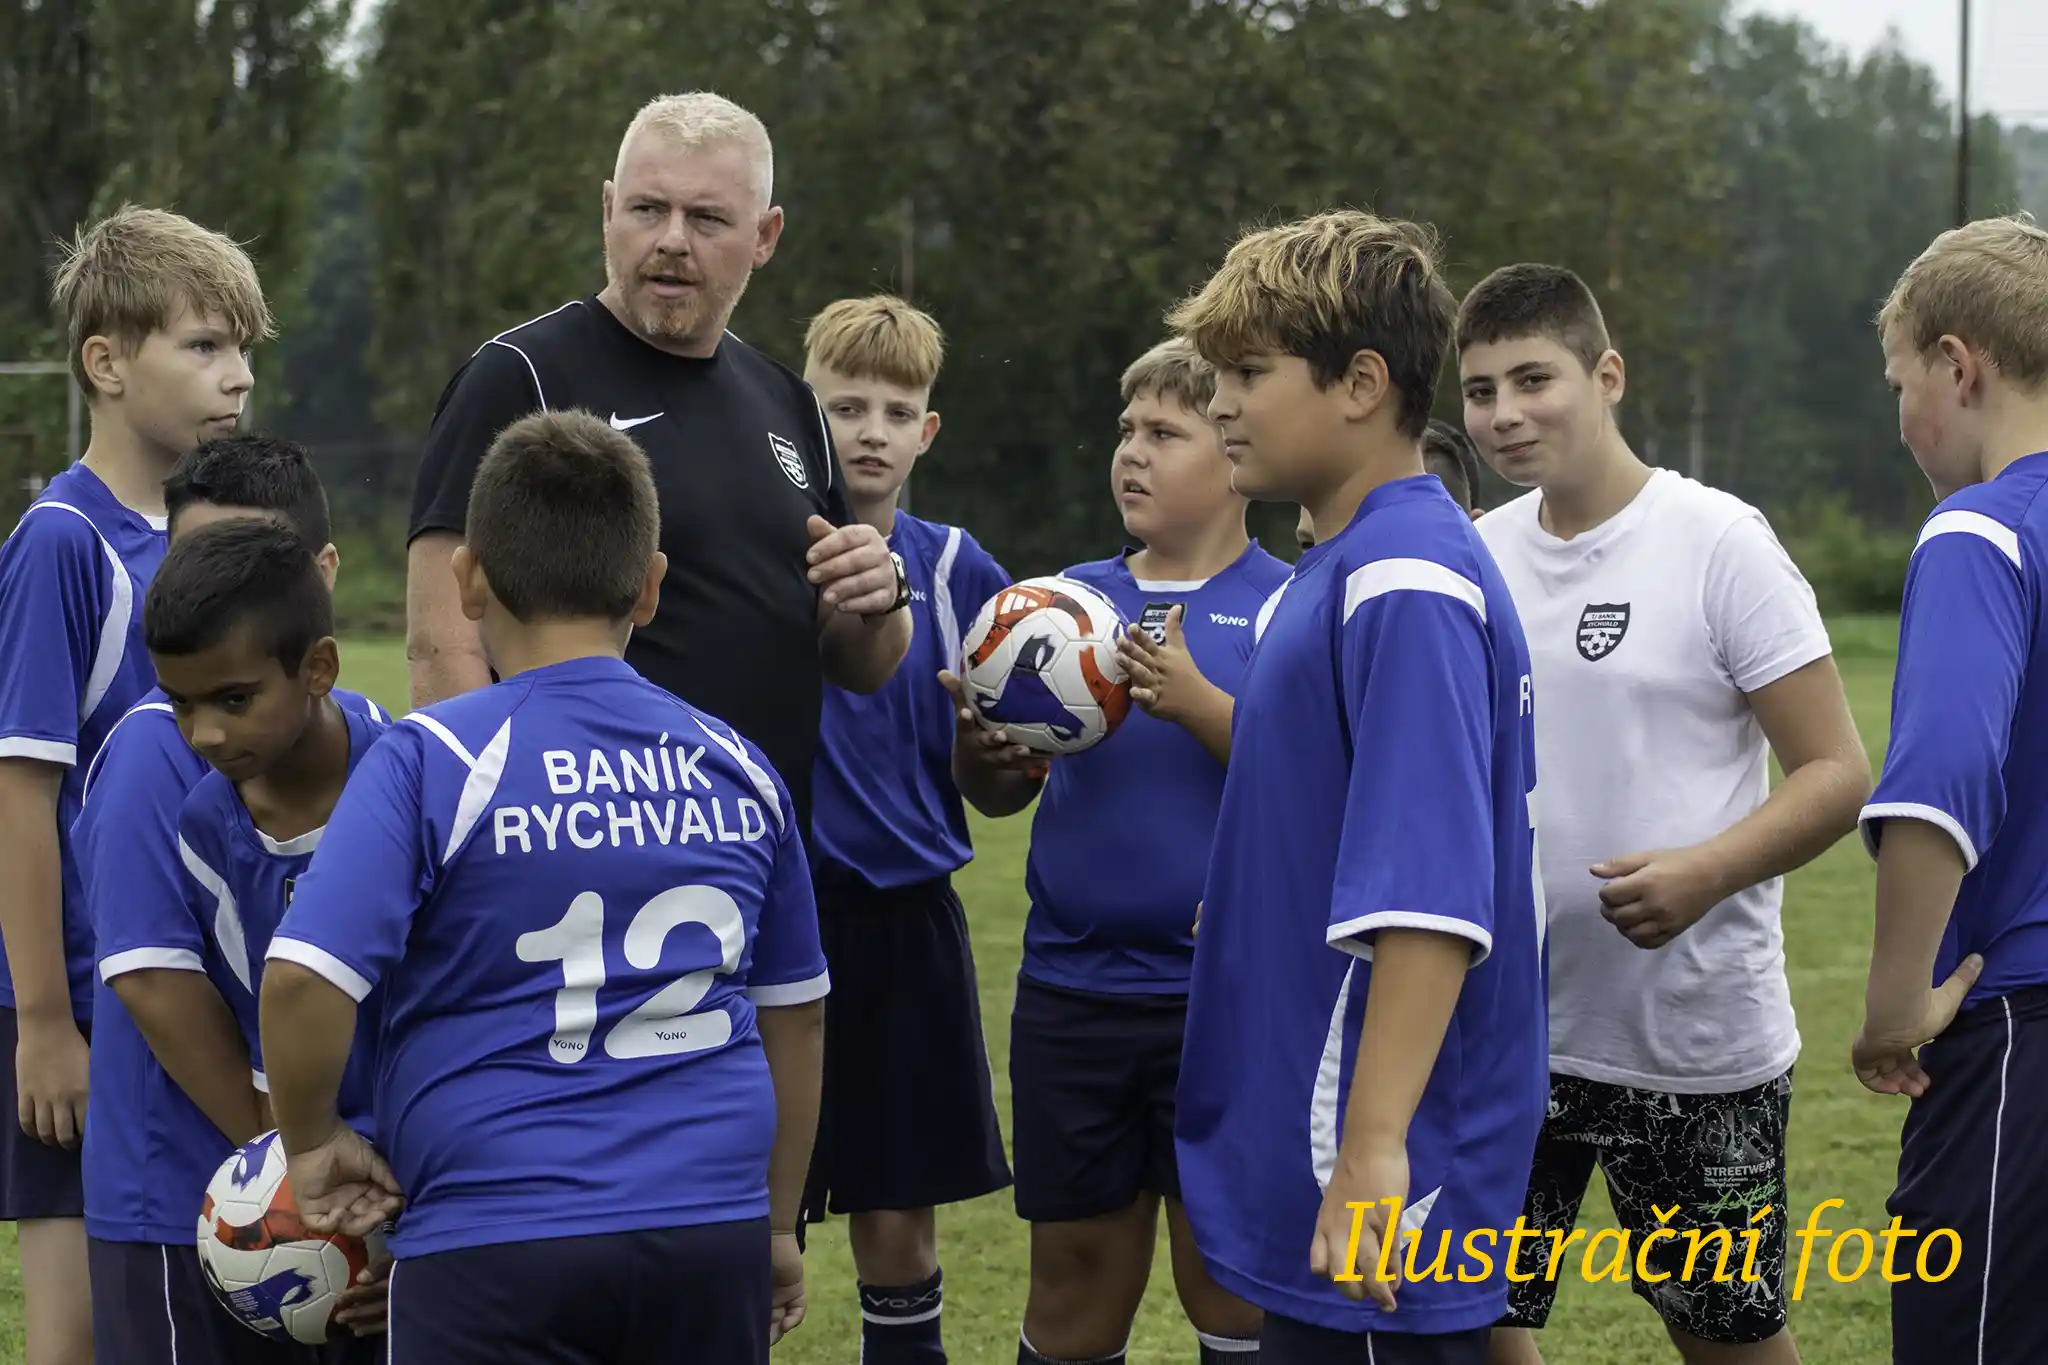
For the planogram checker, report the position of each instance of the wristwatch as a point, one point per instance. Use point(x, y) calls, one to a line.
point(902, 598)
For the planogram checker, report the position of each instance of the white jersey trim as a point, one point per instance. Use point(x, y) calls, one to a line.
point(92, 771)
point(1350, 936)
point(1867, 820)
point(227, 921)
point(291, 848)
point(1324, 1100)
point(321, 963)
point(478, 789)
point(943, 613)
point(149, 959)
point(1974, 524)
point(42, 750)
point(791, 992)
point(499, 340)
point(1991, 1204)
point(1383, 576)
point(763, 783)
point(259, 1080)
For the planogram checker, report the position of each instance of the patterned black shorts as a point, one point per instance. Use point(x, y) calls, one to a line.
point(1703, 1161)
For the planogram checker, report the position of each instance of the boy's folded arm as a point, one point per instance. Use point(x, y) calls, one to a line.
point(197, 1042)
point(1919, 871)
point(308, 1029)
point(793, 1037)
point(1417, 975)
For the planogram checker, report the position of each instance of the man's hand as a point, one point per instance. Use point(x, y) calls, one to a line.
point(365, 1306)
point(1885, 1052)
point(50, 1065)
point(1652, 898)
point(342, 1185)
point(1378, 1172)
point(786, 1299)
point(851, 566)
point(988, 747)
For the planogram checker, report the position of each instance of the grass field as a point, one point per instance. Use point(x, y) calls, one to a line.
point(1844, 1140)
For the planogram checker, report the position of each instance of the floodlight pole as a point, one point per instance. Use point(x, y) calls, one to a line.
point(74, 413)
point(1963, 121)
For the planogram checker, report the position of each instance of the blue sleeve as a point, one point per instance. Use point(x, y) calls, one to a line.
point(52, 582)
point(1962, 655)
point(1417, 848)
point(788, 966)
point(352, 910)
point(126, 841)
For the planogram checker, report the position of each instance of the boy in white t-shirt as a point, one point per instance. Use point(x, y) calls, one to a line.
point(1675, 645)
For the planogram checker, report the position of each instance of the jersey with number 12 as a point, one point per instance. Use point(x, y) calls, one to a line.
point(575, 891)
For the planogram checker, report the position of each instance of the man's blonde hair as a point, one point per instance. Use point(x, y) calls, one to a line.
point(127, 275)
point(1987, 283)
point(1172, 369)
point(1324, 289)
point(700, 118)
point(878, 337)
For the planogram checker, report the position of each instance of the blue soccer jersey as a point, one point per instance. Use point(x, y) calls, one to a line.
point(149, 1151)
point(1121, 836)
point(72, 659)
point(239, 884)
point(1381, 768)
point(575, 890)
point(1969, 740)
point(885, 807)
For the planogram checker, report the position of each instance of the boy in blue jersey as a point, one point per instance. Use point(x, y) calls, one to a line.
point(1365, 1039)
point(171, 1085)
point(588, 909)
point(1114, 875)
point(240, 627)
point(157, 312)
point(907, 1117)
point(1956, 1011)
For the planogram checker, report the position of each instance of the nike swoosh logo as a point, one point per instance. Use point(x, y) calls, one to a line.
point(628, 423)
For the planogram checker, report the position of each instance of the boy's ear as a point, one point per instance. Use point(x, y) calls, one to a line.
point(329, 562)
point(1367, 384)
point(1965, 366)
point(930, 432)
point(650, 590)
point(321, 667)
point(1610, 374)
point(102, 360)
point(470, 584)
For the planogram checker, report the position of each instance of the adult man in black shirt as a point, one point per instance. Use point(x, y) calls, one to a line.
point(772, 586)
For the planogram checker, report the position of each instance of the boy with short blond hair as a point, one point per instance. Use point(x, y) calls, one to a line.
point(908, 1116)
point(1959, 820)
point(1377, 805)
point(157, 312)
point(1115, 878)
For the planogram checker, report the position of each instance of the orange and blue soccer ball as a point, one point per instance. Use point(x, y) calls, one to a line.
point(1040, 662)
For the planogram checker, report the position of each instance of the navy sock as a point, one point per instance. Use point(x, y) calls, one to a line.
point(1228, 1350)
point(900, 1326)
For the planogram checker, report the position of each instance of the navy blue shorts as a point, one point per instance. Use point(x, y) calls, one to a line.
point(1970, 1160)
point(1285, 1341)
point(151, 1303)
point(36, 1179)
point(1092, 1082)
point(669, 1296)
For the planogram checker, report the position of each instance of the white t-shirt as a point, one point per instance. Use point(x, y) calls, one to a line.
point(1644, 635)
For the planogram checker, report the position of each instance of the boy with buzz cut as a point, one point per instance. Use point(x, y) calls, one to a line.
point(157, 313)
point(1959, 821)
point(162, 1116)
point(1364, 1063)
point(907, 1118)
point(588, 909)
point(1445, 453)
point(1675, 647)
point(1114, 878)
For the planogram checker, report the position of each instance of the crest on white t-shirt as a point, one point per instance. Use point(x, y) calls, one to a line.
point(1601, 626)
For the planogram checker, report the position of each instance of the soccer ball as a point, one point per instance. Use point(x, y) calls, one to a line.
point(1040, 663)
point(276, 1277)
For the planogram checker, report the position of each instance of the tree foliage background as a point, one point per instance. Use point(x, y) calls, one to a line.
point(1046, 176)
